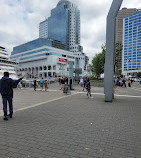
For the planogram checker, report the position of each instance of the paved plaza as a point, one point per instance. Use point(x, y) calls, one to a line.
point(54, 125)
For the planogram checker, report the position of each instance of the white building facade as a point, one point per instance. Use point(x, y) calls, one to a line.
point(6, 64)
point(42, 60)
point(57, 45)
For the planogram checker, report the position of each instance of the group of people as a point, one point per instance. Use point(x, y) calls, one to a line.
point(85, 83)
point(122, 83)
point(7, 84)
point(65, 80)
point(43, 83)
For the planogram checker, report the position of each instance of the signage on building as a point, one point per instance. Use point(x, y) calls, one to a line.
point(61, 60)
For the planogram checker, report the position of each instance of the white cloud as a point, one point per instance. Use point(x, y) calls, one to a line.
point(19, 21)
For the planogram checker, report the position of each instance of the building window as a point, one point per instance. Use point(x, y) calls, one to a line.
point(49, 67)
point(45, 68)
point(54, 67)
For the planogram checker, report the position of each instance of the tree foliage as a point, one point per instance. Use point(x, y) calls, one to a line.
point(139, 74)
point(99, 61)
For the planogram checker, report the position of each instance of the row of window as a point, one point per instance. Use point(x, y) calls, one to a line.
point(130, 55)
point(42, 55)
point(131, 24)
point(132, 33)
point(132, 52)
point(137, 48)
point(29, 53)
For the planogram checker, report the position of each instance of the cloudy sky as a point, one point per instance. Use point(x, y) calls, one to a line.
point(19, 21)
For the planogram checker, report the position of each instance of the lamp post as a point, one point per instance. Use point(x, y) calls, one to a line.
point(110, 49)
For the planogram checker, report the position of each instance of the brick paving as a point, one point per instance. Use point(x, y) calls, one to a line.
point(72, 127)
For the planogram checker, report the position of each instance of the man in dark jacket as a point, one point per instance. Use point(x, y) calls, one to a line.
point(88, 87)
point(6, 89)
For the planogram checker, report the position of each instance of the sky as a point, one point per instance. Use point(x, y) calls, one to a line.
point(19, 21)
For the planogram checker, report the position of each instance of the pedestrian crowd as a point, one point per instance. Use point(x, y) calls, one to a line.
point(7, 84)
point(122, 82)
point(85, 83)
point(43, 83)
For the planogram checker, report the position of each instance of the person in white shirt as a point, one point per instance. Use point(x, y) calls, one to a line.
point(81, 82)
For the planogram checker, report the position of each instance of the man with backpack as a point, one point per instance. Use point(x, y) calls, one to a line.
point(6, 89)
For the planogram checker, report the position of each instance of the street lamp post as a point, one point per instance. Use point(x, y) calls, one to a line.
point(110, 49)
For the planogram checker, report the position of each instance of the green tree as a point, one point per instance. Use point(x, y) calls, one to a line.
point(99, 61)
point(139, 74)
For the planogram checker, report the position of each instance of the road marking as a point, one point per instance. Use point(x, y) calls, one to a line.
point(136, 88)
point(45, 102)
point(31, 106)
point(128, 96)
point(91, 93)
point(74, 93)
point(48, 90)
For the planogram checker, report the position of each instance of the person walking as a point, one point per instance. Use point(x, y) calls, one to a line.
point(42, 83)
point(35, 84)
point(129, 83)
point(81, 82)
point(6, 89)
point(88, 87)
point(62, 83)
point(66, 80)
point(70, 83)
point(124, 82)
point(84, 83)
point(46, 85)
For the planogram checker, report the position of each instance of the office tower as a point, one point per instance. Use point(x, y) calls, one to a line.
point(63, 25)
point(119, 28)
point(58, 45)
point(132, 44)
point(43, 29)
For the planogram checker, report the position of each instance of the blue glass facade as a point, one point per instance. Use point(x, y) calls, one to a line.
point(64, 23)
point(58, 24)
point(132, 42)
point(31, 45)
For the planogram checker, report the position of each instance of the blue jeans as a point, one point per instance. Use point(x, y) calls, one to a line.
point(10, 102)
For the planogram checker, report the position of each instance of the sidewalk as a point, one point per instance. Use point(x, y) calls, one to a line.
point(71, 126)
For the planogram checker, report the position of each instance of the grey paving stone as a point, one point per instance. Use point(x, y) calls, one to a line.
point(73, 127)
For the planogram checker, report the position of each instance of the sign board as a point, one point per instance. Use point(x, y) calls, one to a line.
point(61, 60)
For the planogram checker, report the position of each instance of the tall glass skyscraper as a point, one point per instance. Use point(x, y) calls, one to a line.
point(63, 25)
point(131, 62)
